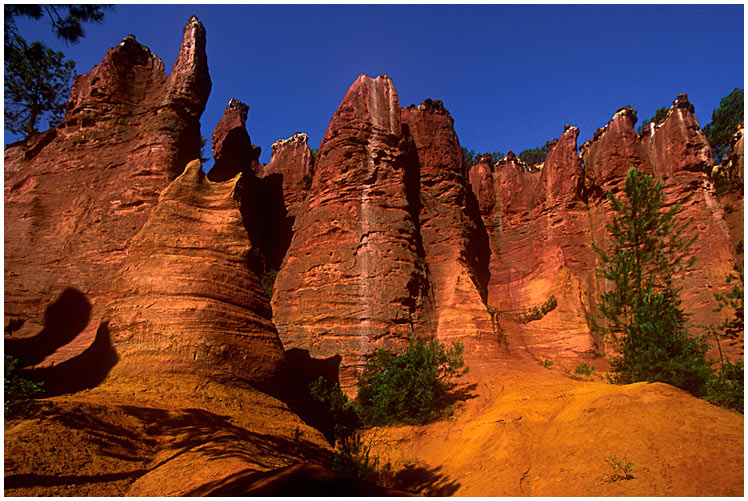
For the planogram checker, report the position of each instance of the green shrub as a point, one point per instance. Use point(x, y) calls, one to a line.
point(17, 389)
point(584, 369)
point(724, 120)
point(305, 183)
point(545, 363)
point(725, 387)
point(335, 408)
point(411, 387)
point(658, 117)
point(268, 282)
point(354, 457)
point(534, 156)
point(538, 312)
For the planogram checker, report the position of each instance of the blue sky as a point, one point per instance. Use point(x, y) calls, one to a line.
point(510, 75)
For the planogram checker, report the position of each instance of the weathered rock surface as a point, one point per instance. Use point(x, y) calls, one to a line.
point(188, 298)
point(354, 277)
point(292, 161)
point(76, 194)
point(454, 239)
point(680, 153)
point(540, 224)
point(232, 147)
point(539, 235)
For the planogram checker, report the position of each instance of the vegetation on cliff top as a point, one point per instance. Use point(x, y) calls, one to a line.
point(724, 120)
point(37, 78)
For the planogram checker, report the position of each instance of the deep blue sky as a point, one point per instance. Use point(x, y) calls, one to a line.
point(511, 76)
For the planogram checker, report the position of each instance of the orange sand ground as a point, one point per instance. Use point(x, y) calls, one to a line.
point(519, 431)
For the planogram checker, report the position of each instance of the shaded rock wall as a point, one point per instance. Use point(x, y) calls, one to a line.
point(75, 195)
point(188, 297)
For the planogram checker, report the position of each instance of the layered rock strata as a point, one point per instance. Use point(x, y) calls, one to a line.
point(75, 195)
point(454, 239)
point(541, 222)
point(354, 277)
point(188, 299)
point(293, 163)
point(539, 234)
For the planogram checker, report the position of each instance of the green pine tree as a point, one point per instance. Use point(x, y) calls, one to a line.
point(641, 307)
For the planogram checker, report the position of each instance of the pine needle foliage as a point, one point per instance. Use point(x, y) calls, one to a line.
point(641, 307)
point(410, 387)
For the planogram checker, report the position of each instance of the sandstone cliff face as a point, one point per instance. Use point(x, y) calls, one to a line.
point(75, 195)
point(232, 147)
point(613, 149)
point(540, 224)
point(292, 162)
point(539, 235)
point(188, 298)
point(454, 239)
point(677, 150)
point(354, 277)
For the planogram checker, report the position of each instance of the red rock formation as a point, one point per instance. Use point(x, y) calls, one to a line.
point(232, 147)
point(732, 164)
point(75, 195)
point(539, 235)
point(292, 160)
point(732, 199)
point(676, 150)
point(187, 300)
point(354, 277)
point(453, 236)
point(613, 149)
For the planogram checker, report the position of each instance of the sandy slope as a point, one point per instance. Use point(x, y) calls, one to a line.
point(535, 432)
point(520, 430)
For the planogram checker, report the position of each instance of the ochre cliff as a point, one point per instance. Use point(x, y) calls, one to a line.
point(188, 298)
point(142, 285)
point(454, 240)
point(76, 195)
point(354, 277)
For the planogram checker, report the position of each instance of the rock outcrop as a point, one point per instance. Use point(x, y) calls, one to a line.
point(75, 195)
point(540, 223)
point(454, 239)
point(188, 298)
point(354, 277)
point(231, 145)
point(293, 164)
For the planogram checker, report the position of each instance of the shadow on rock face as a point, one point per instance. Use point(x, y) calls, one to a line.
point(300, 371)
point(63, 321)
point(81, 372)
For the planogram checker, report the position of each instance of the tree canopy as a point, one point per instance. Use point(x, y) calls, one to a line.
point(534, 156)
point(724, 120)
point(641, 306)
point(37, 78)
point(658, 117)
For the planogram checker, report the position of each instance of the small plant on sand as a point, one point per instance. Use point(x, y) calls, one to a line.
point(545, 363)
point(620, 469)
point(584, 369)
point(355, 457)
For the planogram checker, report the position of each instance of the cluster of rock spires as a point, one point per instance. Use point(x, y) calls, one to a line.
point(382, 235)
